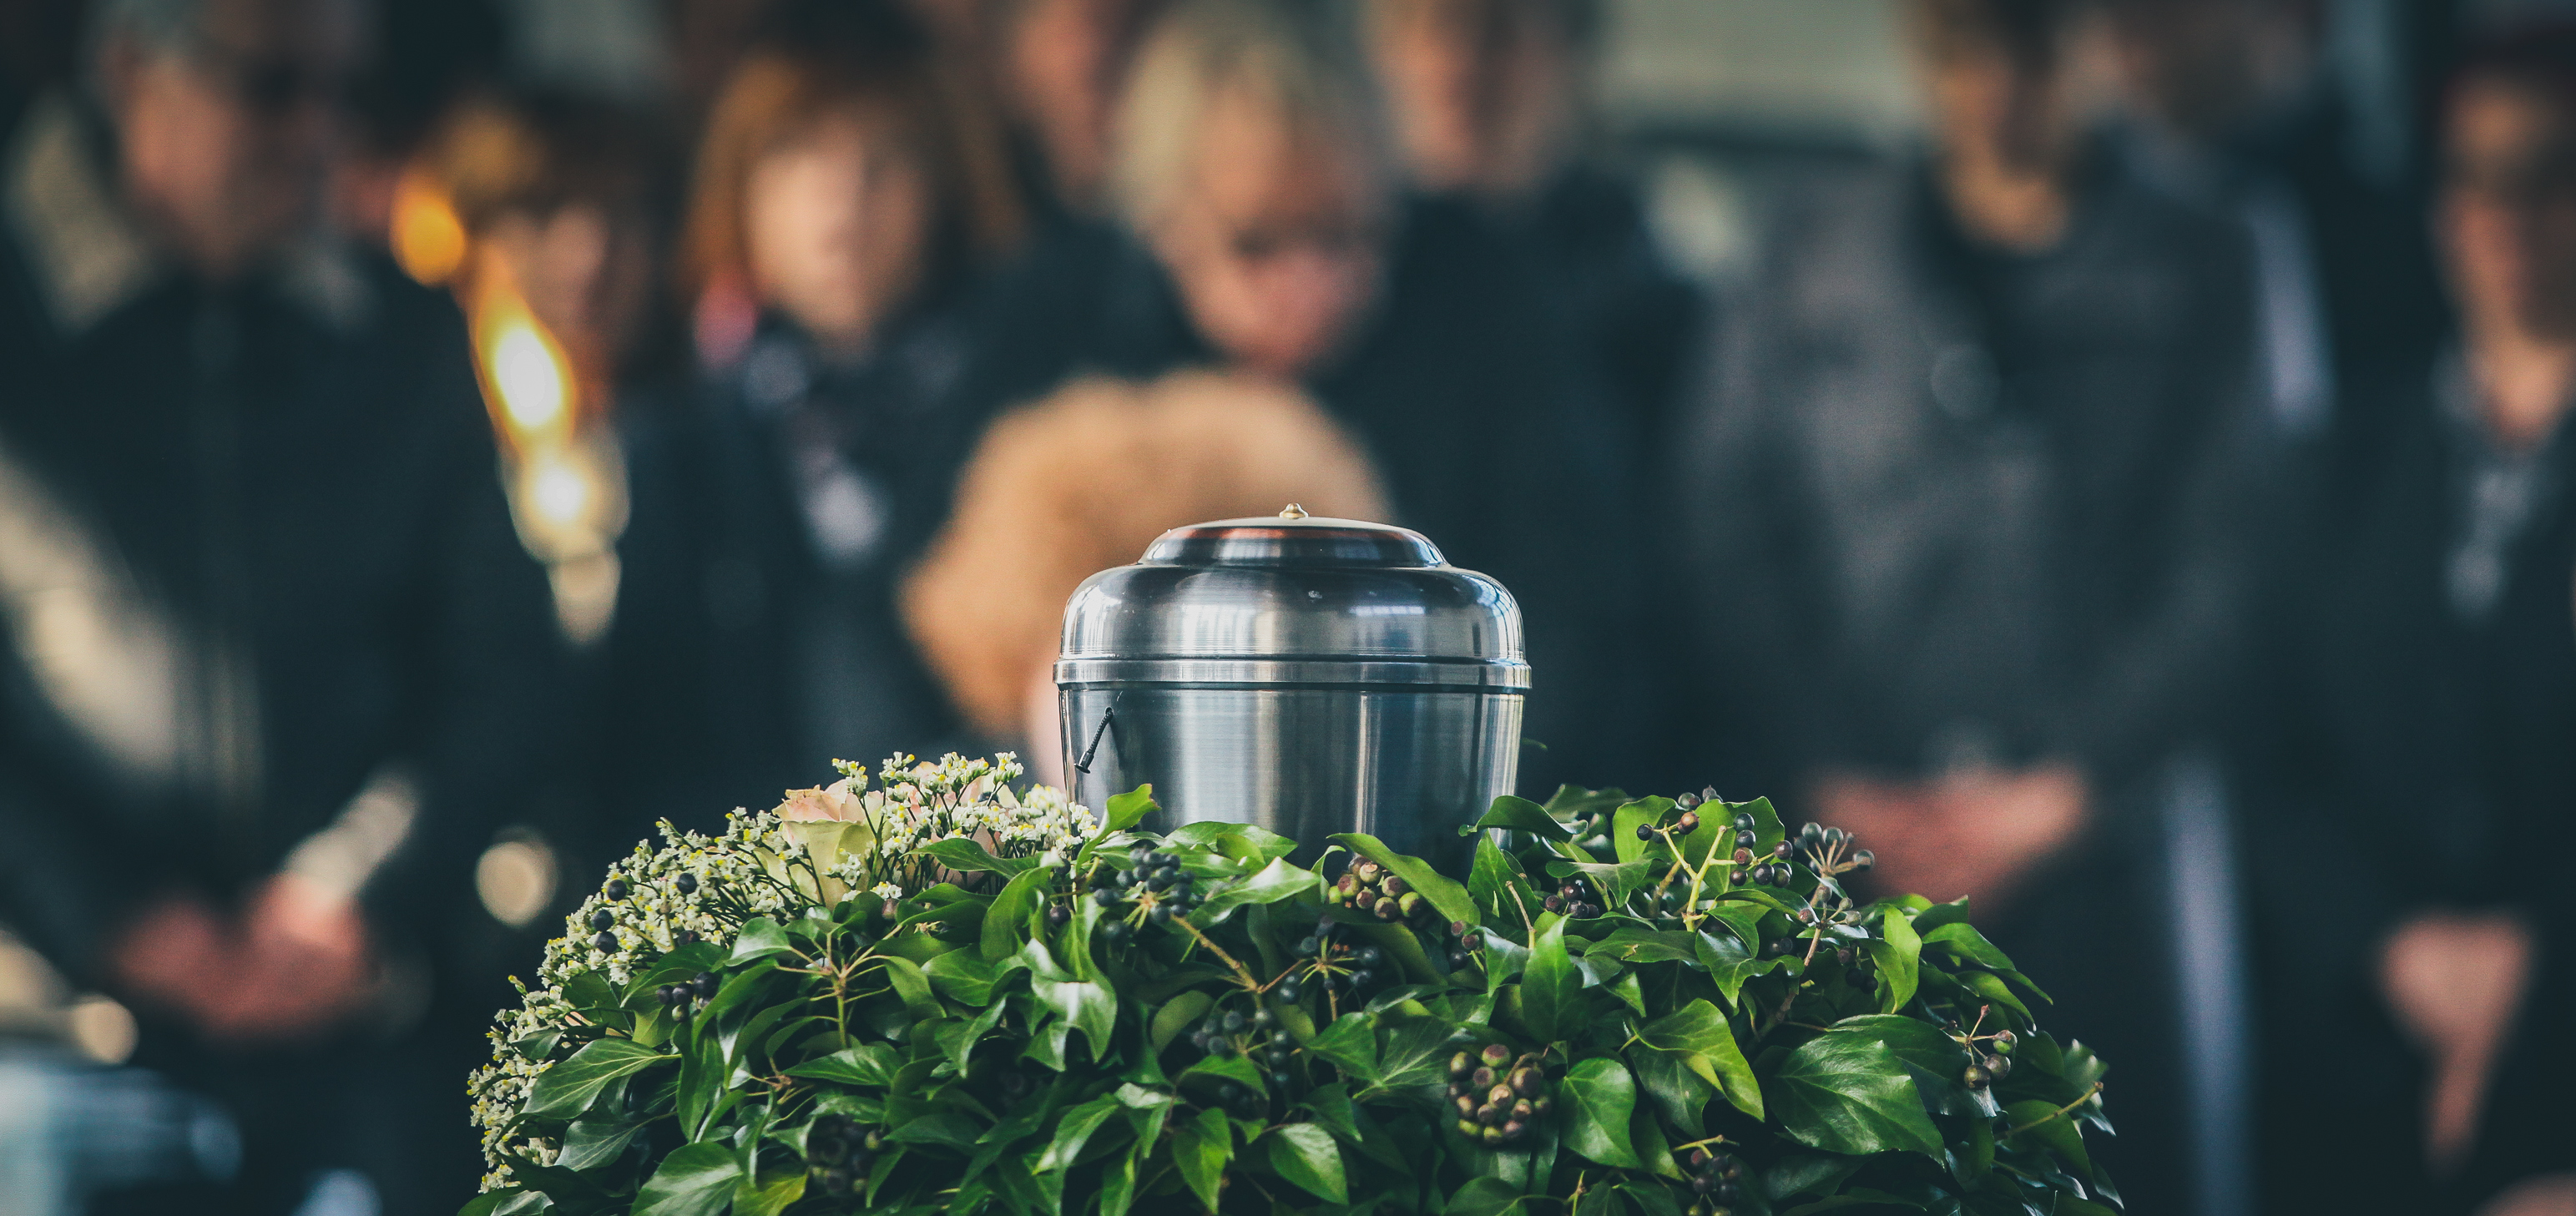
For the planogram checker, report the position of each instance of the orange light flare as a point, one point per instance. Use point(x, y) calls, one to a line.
point(528, 378)
point(428, 238)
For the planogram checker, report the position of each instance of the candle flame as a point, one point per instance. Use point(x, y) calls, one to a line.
point(527, 377)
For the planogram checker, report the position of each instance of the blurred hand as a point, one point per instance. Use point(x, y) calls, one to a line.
point(2547, 1195)
point(297, 961)
point(1978, 833)
point(2454, 980)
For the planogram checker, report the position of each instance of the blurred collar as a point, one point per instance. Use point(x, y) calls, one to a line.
point(89, 256)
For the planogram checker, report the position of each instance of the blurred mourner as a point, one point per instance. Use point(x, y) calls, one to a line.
point(845, 196)
point(1267, 238)
point(2234, 110)
point(1486, 101)
point(2423, 703)
point(274, 659)
point(1964, 496)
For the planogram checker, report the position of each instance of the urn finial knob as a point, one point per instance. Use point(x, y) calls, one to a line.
point(1292, 511)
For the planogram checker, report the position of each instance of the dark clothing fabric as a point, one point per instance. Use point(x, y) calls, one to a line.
point(1632, 316)
point(2412, 732)
point(1946, 506)
point(757, 638)
point(1468, 399)
point(272, 513)
point(1955, 505)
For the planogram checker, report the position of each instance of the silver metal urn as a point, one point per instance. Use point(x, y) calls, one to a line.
point(1308, 675)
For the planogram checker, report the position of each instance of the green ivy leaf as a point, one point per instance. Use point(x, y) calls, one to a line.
point(964, 976)
point(1074, 1130)
point(1699, 1033)
point(1411, 1050)
point(1963, 941)
point(760, 938)
point(772, 1197)
point(1599, 1096)
point(1272, 883)
point(1898, 958)
point(1847, 1093)
point(968, 856)
point(567, 1088)
point(1551, 985)
point(1176, 1015)
point(1201, 1148)
point(1624, 822)
point(1679, 1093)
point(695, 1180)
point(1518, 815)
point(1118, 1182)
point(1349, 1044)
point(1305, 1154)
point(1331, 1106)
point(2035, 1122)
point(1006, 923)
point(870, 1064)
point(1933, 1058)
point(1129, 809)
point(593, 1142)
point(1632, 944)
point(1486, 1196)
point(1493, 881)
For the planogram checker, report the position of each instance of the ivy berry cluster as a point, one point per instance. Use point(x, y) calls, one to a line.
point(1339, 965)
point(1499, 1099)
point(1717, 1178)
point(839, 1152)
point(1157, 881)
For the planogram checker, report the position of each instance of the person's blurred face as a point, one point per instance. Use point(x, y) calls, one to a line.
point(2000, 112)
point(2507, 211)
point(226, 143)
point(837, 221)
point(1275, 240)
point(583, 271)
point(1438, 60)
point(1065, 60)
point(2200, 68)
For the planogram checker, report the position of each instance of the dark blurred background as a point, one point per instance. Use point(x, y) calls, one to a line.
point(2110, 454)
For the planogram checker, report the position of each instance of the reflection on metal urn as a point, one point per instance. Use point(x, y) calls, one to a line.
point(1307, 675)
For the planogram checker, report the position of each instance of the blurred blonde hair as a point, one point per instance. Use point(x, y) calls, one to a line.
point(1297, 57)
point(1082, 481)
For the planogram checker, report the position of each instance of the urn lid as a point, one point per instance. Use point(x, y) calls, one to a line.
point(1297, 590)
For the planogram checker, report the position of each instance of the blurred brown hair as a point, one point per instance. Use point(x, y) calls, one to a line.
point(535, 151)
point(869, 56)
point(1085, 479)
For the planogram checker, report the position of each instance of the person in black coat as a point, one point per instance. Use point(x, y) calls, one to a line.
point(1261, 232)
point(1962, 508)
point(1485, 97)
point(2419, 710)
point(846, 197)
point(275, 663)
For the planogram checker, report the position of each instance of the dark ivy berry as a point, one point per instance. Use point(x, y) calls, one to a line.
point(1114, 932)
point(1744, 838)
point(602, 919)
point(1105, 897)
point(1744, 820)
point(1059, 915)
point(704, 984)
point(1369, 956)
point(1686, 801)
point(1645, 831)
point(1308, 945)
point(1689, 822)
point(1288, 991)
point(686, 937)
point(1553, 903)
point(1263, 1019)
point(670, 993)
point(1279, 1080)
point(1233, 1021)
point(1472, 941)
point(606, 942)
point(1363, 977)
point(1160, 914)
point(687, 883)
point(1976, 1077)
point(616, 889)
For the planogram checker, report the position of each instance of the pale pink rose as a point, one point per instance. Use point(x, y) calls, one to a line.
point(834, 801)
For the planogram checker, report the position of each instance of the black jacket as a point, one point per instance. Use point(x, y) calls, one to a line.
point(1946, 504)
point(258, 559)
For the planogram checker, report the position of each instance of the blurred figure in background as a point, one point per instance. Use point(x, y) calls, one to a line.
point(2423, 703)
point(1486, 97)
point(846, 196)
point(1965, 503)
point(275, 663)
point(2233, 110)
point(1060, 65)
point(1081, 482)
point(1265, 235)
